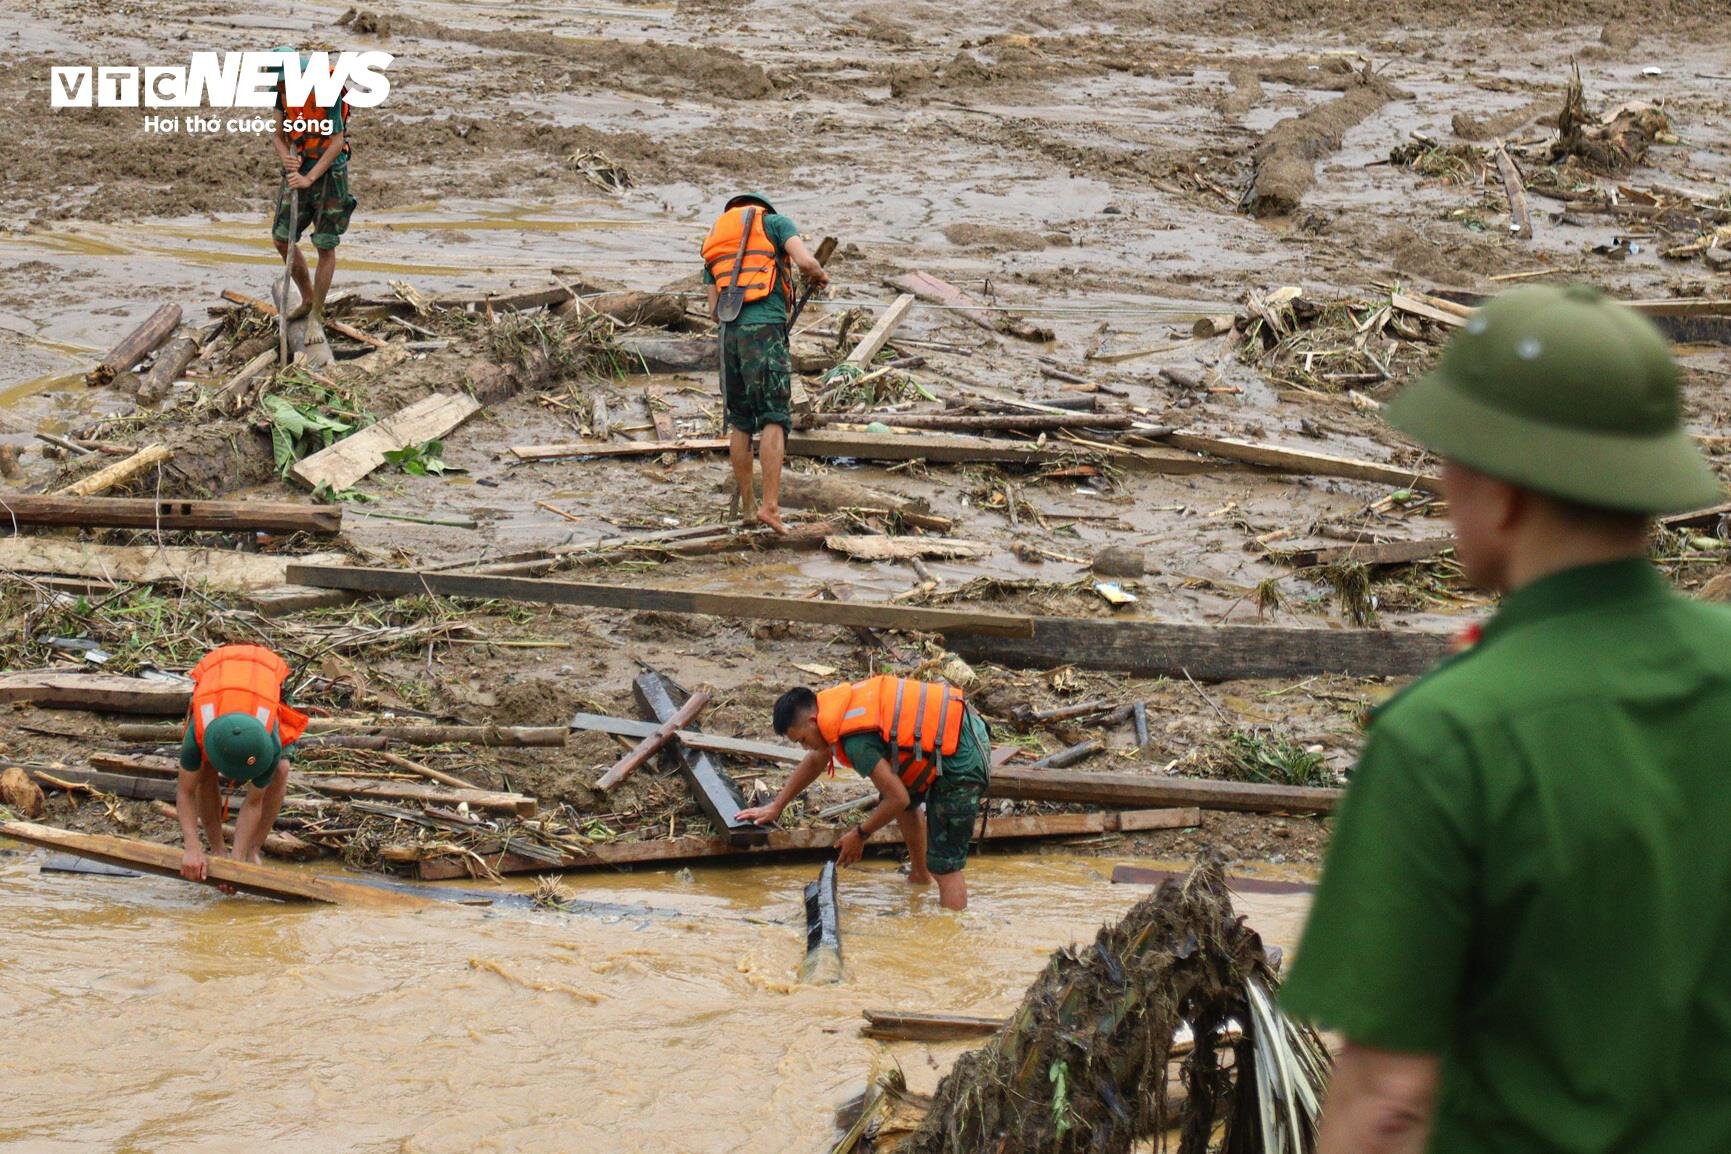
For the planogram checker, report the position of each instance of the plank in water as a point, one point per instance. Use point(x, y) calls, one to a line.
point(262, 881)
point(353, 457)
point(874, 615)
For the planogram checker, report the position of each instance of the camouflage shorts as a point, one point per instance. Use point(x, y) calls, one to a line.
point(326, 206)
point(759, 380)
point(953, 809)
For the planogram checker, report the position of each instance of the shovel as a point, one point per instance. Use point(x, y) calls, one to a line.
point(825, 249)
point(288, 265)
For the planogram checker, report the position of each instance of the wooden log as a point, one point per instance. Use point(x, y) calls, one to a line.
point(1299, 460)
point(262, 881)
point(19, 793)
point(428, 771)
point(1070, 755)
point(568, 449)
point(166, 513)
point(642, 353)
point(514, 301)
point(1214, 326)
point(353, 457)
point(1139, 720)
point(99, 692)
point(1370, 553)
point(906, 1026)
point(869, 547)
point(1520, 220)
point(929, 288)
point(696, 739)
point(828, 493)
point(156, 787)
point(225, 569)
point(872, 343)
point(166, 369)
point(136, 345)
point(656, 310)
point(380, 790)
point(1208, 652)
point(1024, 716)
point(235, 386)
point(982, 422)
point(822, 964)
point(118, 473)
point(675, 851)
point(396, 582)
point(521, 736)
point(1019, 783)
point(716, 794)
point(647, 747)
point(354, 334)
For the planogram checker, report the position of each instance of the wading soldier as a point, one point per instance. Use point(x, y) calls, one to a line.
point(238, 730)
point(745, 267)
point(1524, 927)
point(920, 743)
point(312, 144)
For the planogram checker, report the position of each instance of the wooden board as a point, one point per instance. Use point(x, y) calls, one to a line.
point(1370, 553)
point(1144, 789)
point(822, 929)
point(118, 473)
point(263, 881)
point(864, 547)
point(674, 851)
point(137, 787)
point(353, 457)
point(396, 582)
point(1300, 461)
point(99, 692)
point(563, 450)
point(224, 569)
point(913, 1026)
point(709, 742)
point(1208, 652)
point(716, 794)
point(873, 342)
point(520, 804)
point(956, 447)
point(537, 736)
point(166, 513)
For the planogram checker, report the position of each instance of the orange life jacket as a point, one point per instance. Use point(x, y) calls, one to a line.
point(312, 145)
point(243, 679)
point(921, 721)
point(761, 269)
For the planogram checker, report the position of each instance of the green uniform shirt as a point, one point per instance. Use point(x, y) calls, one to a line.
point(1530, 876)
point(772, 309)
point(968, 763)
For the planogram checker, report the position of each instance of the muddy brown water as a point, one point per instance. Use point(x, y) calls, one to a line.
point(144, 1014)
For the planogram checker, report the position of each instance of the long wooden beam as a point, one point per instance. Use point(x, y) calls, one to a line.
point(262, 881)
point(101, 692)
point(489, 735)
point(716, 794)
point(651, 742)
point(674, 851)
point(1299, 460)
point(166, 513)
point(397, 582)
point(696, 739)
point(1142, 789)
point(1209, 652)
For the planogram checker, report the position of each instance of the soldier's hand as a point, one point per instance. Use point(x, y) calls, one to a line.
point(300, 180)
point(759, 815)
point(850, 848)
point(193, 867)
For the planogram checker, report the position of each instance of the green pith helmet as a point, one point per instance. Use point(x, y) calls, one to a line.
point(1564, 392)
point(239, 748)
point(749, 198)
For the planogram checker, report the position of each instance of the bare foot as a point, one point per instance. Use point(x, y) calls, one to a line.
point(772, 518)
point(300, 311)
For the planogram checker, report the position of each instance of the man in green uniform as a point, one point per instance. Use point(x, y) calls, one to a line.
point(1524, 927)
point(757, 375)
point(937, 822)
point(312, 145)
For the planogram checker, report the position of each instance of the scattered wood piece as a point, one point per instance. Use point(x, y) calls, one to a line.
point(716, 794)
point(1070, 755)
point(224, 569)
point(1213, 326)
point(165, 513)
point(136, 345)
point(1019, 783)
point(353, 457)
point(262, 881)
point(822, 964)
point(869, 345)
point(118, 473)
point(566, 449)
point(166, 369)
point(235, 387)
point(984, 422)
point(861, 547)
point(277, 843)
point(1119, 561)
point(19, 794)
point(396, 582)
point(903, 1026)
point(520, 804)
point(929, 288)
point(663, 354)
point(521, 736)
point(1299, 460)
point(1026, 717)
point(647, 747)
point(98, 692)
point(427, 771)
point(696, 739)
point(829, 493)
point(1520, 220)
point(350, 331)
point(1385, 553)
point(1208, 652)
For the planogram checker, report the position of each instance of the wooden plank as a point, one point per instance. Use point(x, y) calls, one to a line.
point(118, 473)
point(822, 964)
point(263, 881)
point(134, 786)
point(1209, 652)
point(396, 582)
point(716, 794)
point(646, 748)
point(520, 300)
point(1520, 220)
point(520, 804)
point(1698, 518)
point(930, 288)
point(1300, 461)
point(1407, 304)
point(1019, 783)
point(567, 449)
point(1370, 553)
point(353, 457)
point(696, 739)
point(136, 345)
point(871, 547)
point(983, 422)
point(169, 513)
point(673, 851)
point(913, 1026)
point(954, 447)
point(520, 736)
point(224, 569)
point(99, 692)
point(873, 342)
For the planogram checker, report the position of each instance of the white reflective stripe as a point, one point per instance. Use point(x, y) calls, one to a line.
point(263, 715)
point(207, 712)
point(860, 712)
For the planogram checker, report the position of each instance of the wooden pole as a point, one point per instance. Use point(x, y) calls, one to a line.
point(1141, 789)
point(118, 473)
point(150, 513)
point(170, 363)
point(870, 344)
point(136, 345)
point(1520, 221)
point(645, 749)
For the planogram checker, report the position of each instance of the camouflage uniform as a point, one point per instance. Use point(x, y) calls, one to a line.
point(759, 378)
point(325, 206)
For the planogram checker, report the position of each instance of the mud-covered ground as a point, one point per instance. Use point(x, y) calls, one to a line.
point(1084, 165)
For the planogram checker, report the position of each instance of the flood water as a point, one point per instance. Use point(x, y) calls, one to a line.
point(144, 1014)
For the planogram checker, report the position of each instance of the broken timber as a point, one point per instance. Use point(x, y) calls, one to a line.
point(930, 288)
point(898, 1026)
point(149, 773)
point(1520, 220)
point(646, 748)
point(262, 881)
point(675, 851)
point(1143, 789)
point(1369, 553)
point(1208, 652)
point(167, 513)
point(715, 793)
point(118, 473)
point(100, 692)
point(136, 345)
point(353, 457)
point(873, 342)
point(982, 422)
point(696, 739)
point(224, 569)
point(396, 582)
point(822, 962)
point(1299, 460)
point(488, 735)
